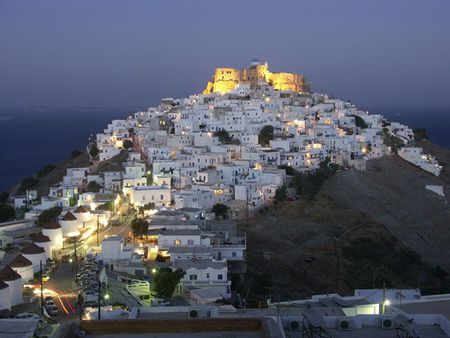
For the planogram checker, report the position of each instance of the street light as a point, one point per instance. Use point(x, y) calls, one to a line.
point(154, 270)
point(106, 296)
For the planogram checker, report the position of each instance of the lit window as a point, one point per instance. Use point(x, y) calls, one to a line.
point(177, 242)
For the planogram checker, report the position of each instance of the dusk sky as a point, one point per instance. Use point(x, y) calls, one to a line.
point(131, 53)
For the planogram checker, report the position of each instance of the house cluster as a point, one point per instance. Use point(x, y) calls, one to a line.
point(207, 251)
point(233, 147)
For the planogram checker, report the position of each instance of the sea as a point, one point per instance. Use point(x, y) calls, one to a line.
point(32, 139)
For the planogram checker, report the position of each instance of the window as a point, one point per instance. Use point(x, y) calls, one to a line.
point(193, 277)
point(162, 197)
point(233, 254)
point(190, 242)
point(220, 277)
point(207, 275)
point(177, 242)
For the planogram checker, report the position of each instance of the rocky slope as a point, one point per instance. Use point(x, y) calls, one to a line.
point(388, 203)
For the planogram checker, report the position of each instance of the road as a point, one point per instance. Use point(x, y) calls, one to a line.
point(61, 285)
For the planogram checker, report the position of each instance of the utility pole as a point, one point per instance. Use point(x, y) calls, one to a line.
point(383, 307)
point(99, 298)
point(98, 215)
point(42, 288)
point(246, 209)
point(76, 259)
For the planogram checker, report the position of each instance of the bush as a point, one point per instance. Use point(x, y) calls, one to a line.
point(48, 215)
point(7, 213)
point(93, 187)
point(127, 144)
point(280, 194)
point(4, 197)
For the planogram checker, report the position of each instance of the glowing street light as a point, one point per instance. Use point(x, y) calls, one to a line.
point(154, 270)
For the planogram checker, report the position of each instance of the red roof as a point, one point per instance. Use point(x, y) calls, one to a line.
point(32, 249)
point(40, 238)
point(51, 225)
point(20, 261)
point(7, 274)
point(80, 209)
point(69, 217)
point(3, 285)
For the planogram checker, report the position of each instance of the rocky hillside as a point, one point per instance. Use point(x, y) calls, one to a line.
point(315, 246)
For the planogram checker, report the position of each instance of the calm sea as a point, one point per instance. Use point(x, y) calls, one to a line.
point(30, 140)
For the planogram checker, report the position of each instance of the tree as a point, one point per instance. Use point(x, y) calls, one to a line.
point(360, 123)
point(420, 134)
point(221, 210)
point(139, 227)
point(7, 213)
point(280, 194)
point(223, 135)
point(165, 280)
point(48, 215)
point(265, 135)
point(93, 187)
point(27, 183)
point(75, 153)
point(94, 150)
point(127, 144)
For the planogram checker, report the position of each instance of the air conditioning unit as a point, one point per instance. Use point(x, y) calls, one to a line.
point(387, 322)
point(346, 324)
point(196, 313)
point(294, 325)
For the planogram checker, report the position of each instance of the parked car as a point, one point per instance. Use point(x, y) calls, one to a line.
point(159, 302)
point(26, 315)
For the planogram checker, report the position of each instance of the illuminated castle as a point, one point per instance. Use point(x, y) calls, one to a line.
point(226, 79)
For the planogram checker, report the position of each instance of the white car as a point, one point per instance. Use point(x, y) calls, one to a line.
point(159, 302)
point(27, 315)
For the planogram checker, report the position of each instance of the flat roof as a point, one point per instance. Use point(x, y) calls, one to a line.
point(441, 307)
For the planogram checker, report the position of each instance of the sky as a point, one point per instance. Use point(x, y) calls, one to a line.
point(122, 53)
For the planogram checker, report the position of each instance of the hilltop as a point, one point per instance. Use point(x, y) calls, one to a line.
point(386, 205)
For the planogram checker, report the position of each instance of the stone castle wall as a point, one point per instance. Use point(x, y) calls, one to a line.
point(226, 79)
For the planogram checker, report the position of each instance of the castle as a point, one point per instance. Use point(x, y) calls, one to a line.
point(227, 79)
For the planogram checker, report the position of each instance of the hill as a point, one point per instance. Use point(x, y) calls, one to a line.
point(382, 222)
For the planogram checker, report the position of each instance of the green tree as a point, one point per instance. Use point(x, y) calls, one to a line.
point(165, 280)
point(94, 150)
point(27, 183)
point(223, 135)
point(280, 194)
point(139, 227)
point(127, 144)
point(265, 135)
point(48, 214)
point(7, 213)
point(420, 134)
point(360, 123)
point(93, 187)
point(221, 210)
